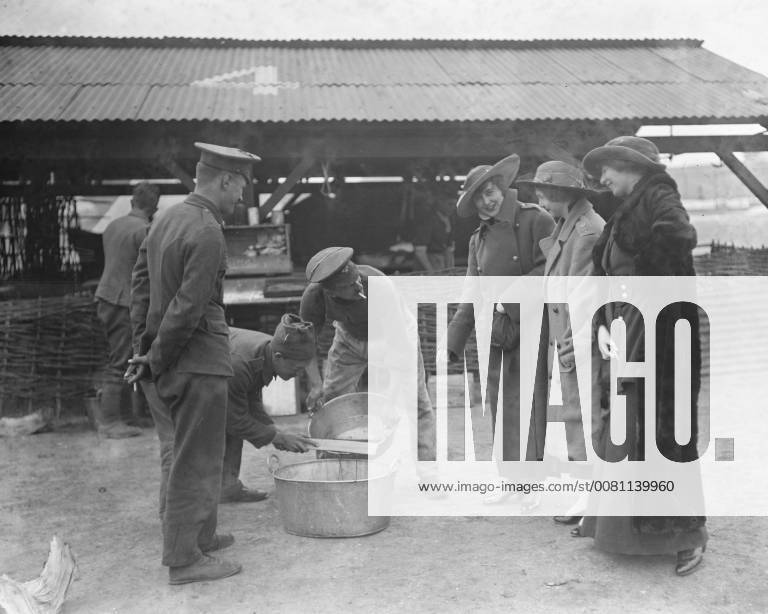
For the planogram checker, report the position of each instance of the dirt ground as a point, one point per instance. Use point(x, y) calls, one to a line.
point(100, 496)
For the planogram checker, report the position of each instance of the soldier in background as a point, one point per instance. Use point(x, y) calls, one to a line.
point(122, 239)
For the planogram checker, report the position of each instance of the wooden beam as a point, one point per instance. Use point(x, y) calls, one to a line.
point(692, 144)
point(177, 171)
point(88, 189)
point(293, 178)
point(747, 178)
point(283, 144)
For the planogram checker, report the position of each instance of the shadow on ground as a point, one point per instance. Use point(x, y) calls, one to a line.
point(101, 496)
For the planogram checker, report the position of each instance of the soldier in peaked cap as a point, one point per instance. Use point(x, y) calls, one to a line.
point(227, 159)
point(181, 342)
point(338, 293)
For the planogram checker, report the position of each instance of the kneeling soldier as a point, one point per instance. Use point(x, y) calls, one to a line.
point(257, 359)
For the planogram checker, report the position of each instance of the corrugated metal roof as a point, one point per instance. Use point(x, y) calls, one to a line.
point(145, 80)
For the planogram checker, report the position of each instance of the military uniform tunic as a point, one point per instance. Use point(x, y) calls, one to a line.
point(178, 320)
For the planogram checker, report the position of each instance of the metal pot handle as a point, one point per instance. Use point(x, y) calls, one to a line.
point(312, 411)
point(273, 462)
point(309, 421)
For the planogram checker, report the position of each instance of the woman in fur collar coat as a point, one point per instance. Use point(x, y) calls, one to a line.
point(649, 234)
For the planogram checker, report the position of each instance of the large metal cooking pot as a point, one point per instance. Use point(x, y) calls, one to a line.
point(347, 417)
point(329, 498)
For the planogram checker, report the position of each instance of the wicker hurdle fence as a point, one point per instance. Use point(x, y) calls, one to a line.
point(52, 350)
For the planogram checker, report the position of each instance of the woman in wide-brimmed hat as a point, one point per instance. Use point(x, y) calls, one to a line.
point(560, 190)
point(649, 234)
point(505, 243)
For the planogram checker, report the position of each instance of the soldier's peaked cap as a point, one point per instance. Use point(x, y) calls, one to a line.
point(228, 159)
point(327, 262)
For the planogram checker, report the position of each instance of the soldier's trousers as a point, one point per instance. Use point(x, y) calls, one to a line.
point(116, 321)
point(164, 428)
point(189, 410)
point(242, 425)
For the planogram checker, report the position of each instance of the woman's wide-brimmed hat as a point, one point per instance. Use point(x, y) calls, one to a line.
point(557, 174)
point(506, 169)
point(633, 149)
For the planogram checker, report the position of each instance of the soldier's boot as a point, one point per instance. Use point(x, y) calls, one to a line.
point(108, 419)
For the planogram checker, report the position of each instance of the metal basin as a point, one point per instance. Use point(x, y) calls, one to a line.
point(346, 417)
point(329, 498)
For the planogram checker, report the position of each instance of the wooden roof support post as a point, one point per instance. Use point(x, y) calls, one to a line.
point(293, 178)
point(557, 152)
point(742, 172)
point(177, 171)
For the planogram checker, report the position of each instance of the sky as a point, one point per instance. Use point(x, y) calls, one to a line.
point(732, 28)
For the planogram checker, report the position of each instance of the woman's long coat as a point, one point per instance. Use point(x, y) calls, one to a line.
point(506, 245)
point(569, 253)
point(650, 234)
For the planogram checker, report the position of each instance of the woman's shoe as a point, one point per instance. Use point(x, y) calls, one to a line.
point(566, 519)
point(689, 560)
point(576, 532)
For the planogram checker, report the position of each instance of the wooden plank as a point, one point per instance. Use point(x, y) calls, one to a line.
point(344, 445)
point(745, 175)
point(480, 140)
point(285, 187)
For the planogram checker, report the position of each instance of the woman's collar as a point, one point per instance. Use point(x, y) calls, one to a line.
point(509, 207)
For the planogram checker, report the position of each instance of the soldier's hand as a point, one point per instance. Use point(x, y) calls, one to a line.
point(315, 398)
point(138, 368)
point(292, 443)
